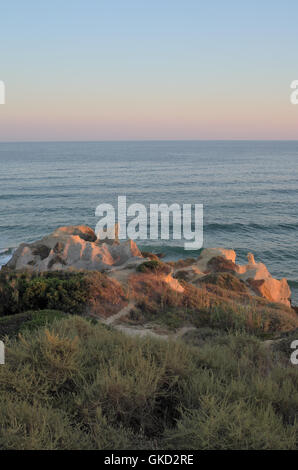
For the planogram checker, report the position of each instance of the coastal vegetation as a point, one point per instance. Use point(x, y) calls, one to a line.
point(208, 305)
point(151, 355)
point(73, 384)
point(71, 292)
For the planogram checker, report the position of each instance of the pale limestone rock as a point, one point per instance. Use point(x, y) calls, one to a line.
point(74, 247)
point(109, 234)
point(260, 280)
point(272, 289)
point(84, 232)
point(208, 253)
point(250, 258)
point(77, 247)
point(256, 275)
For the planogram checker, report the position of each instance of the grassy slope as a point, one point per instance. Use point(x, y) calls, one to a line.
point(12, 325)
point(207, 306)
point(72, 384)
point(77, 385)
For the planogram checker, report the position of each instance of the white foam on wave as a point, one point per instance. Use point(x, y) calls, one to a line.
point(5, 255)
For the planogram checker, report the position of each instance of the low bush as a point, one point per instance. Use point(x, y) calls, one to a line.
point(155, 266)
point(30, 320)
point(74, 385)
point(71, 292)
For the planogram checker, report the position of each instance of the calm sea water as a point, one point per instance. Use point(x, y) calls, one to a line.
point(249, 191)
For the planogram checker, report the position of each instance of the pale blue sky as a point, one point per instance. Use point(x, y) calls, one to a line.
point(97, 70)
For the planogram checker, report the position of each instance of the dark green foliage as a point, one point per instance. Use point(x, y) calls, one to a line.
point(40, 319)
point(72, 384)
point(13, 324)
point(57, 291)
point(72, 292)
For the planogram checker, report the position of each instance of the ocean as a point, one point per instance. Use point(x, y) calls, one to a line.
point(249, 190)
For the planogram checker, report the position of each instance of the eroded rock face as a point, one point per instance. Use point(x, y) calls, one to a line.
point(82, 231)
point(210, 253)
point(255, 275)
point(272, 289)
point(74, 247)
point(77, 247)
point(210, 260)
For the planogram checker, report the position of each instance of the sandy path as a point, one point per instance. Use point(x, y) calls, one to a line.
point(140, 331)
point(122, 313)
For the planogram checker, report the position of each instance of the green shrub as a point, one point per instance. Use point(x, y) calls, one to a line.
point(76, 385)
point(26, 426)
point(72, 292)
point(41, 318)
point(13, 324)
point(220, 425)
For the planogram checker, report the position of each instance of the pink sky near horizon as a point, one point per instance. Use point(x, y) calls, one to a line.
point(148, 119)
point(154, 70)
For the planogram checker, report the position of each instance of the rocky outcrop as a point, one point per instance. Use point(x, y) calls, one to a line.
point(209, 253)
point(78, 247)
point(272, 289)
point(255, 276)
point(262, 283)
point(211, 260)
point(74, 247)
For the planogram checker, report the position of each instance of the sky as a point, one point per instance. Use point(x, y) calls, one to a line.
point(148, 70)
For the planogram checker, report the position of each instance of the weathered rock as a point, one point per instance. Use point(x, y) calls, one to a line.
point(77, 247)
point(82, 231)
point(109, 235)
point(272, 289)
point(208, 253)
point(74, 247)
point(255, 275)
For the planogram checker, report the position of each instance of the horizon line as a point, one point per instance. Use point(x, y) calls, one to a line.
point(140, 140)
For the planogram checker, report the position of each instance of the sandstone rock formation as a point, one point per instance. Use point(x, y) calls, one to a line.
point(78, 247)
point(74, 247)
point(208, 253)
point(272, 289)
point(262, 283)
point(255, 275)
